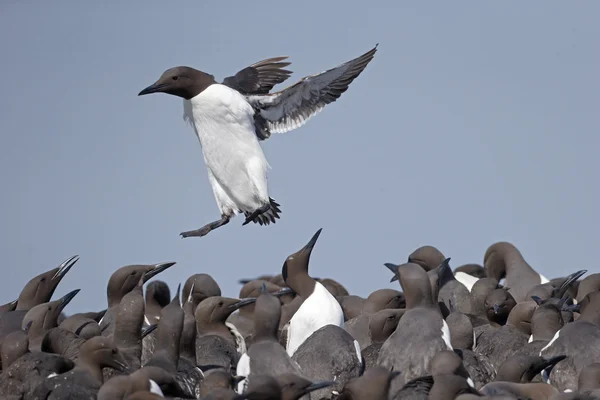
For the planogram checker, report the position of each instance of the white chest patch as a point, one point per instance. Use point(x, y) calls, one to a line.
point(154, 388)
point(466, 279)
point(243, 369)
point(446, 335)
point(318, 310)
point(556, 336)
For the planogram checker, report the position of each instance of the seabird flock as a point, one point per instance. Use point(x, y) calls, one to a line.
point(494, 330)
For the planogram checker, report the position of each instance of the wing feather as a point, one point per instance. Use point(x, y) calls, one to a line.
point(259, 78)
point(292, 107)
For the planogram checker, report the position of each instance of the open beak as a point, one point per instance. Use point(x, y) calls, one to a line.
point(65, 267)
point(158, 268)
point(154, 88)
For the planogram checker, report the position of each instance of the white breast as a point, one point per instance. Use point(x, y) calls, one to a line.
point(224, 124)
point(466, 279)
point(243, 369)
point(318, 310)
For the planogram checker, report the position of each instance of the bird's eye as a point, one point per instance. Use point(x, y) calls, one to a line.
point(175, 78)
point(220, 303)
point(43, 279)
point(114, 351)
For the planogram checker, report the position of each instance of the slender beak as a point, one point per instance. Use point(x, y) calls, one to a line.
point(157, 269)
point(394, 374)
point(237, 379)
point(65, 267)
point(552, 361)
point(317, 386)
point(100, 315)
point(497, 308)
point(283, 292)
point(242, 303)
point(120, 364)
point(444, 266)
point(190, 295)
point(394, 269)
point(155, 87)
point(148, 330)
point(572, 278)
point(311, 244)
point(572, 308)
point(66, 299)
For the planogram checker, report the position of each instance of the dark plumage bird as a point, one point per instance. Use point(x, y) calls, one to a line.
point(121, 282)
point(37, 291)
point(84, 381)
point(158, 295)
point(421, 332)
point(230, 118)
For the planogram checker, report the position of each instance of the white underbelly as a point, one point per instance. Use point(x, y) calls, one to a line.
point(319, 310)
point(224, 125)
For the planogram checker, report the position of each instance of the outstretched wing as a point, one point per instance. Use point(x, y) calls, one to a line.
point(259, 78)
point(292, 107)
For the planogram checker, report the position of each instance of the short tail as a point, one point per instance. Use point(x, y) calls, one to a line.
point(269, 216)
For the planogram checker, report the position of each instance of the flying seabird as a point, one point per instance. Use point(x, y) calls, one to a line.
point(230, 118)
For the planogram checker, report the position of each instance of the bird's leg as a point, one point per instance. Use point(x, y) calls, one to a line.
point(207, 228)
point(256, 213)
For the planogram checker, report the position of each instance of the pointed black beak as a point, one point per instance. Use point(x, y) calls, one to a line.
point(242, 303)
point(158, 268)
point(394, 269)
point(237, 379)
point(154, 88)
point(309, 246)
point(317, 386)
point(283, 292)
point(572, 278)
point(65, 267)
point(394, 374)
point(100, 315)
point(148, 330)
point(66, 299)
point(444, 267)
point(572, 308)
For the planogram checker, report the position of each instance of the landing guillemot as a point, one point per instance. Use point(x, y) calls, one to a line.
point(230, 118)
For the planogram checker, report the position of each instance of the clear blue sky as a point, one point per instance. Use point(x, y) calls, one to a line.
point(475, 122)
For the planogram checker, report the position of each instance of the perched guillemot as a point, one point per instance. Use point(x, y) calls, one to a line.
point(504, 260)
point(38, 290)
point(230, 118)
point(318, 308)
point(121, 282)
point(265, 355)
point(421, 332)
point(44, 317)
point(86, 378)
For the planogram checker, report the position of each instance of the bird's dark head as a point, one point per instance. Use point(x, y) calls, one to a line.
point(184, 82)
